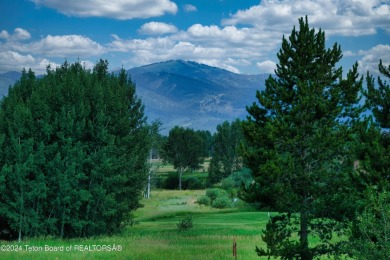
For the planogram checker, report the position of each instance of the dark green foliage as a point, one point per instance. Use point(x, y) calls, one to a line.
point(299, 139)
point(372, 157)
point(74, 145)
point(192, 183)
point(370, 230)
point(222, 202)
point(278, 237)
point(225, 159)
point(217, 198)
point(204, 200)
point(207, 140)
point(373, 139)
point(184, 148)
point(214, 193)
point(378, 99)
point(172, 181)
point(370, 238)
point(185, 224)
point(237, 179)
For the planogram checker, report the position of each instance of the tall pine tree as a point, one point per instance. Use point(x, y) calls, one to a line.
point(297, 142)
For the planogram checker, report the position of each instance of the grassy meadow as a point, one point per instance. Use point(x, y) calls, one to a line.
point(156, 235)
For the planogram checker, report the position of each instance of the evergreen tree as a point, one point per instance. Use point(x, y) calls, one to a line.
point(378, 99)
point(226, 142)
point(369, 236)
point(298, 138)
point(184, 149)
point(74, 145)
point(374, 149)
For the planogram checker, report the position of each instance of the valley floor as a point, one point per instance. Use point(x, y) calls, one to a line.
point(156, 236)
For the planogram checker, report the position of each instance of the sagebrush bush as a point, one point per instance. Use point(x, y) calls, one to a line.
point(204, 200)
point(222, 202)
point(185, 224)
point(215, 193)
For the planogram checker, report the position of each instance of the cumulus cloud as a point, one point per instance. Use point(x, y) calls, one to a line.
point(63, 46)
point(247, 40)
point(14, 61)
point(4, 35)
point(19, 34)
point(16, 54)
point(370, 59)
point(267, 66)
point(346, 18)
point(119, 9)
point(190, 8)
point(157, 28)
point(227, 47)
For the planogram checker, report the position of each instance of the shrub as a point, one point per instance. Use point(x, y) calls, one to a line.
point(185, 224)
point(222, 202)
point(215, 193)
point(237, 178)
point(204, 200)
point(172, 181)
point(228, 184)
point(192, 183)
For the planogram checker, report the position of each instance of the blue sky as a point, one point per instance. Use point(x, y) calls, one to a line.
point(240, 36)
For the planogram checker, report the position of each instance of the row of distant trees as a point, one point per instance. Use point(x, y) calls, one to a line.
point(187, 149)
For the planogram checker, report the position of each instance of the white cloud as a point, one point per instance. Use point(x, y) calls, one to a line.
point(4, 35)
point(14, 61)
point(220, 64)
point(119, 9)
point(19, 34)
point(370, 60)
point(190, 8)
point(157, 28)
point(248, 40)
point(64, 46)
point(267, 66)
point(226, 47)
point(336, 17)
point(16, 54)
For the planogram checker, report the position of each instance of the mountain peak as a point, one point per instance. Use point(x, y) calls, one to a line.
point(187, 93)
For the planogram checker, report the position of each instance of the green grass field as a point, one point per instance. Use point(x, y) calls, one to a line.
point(156, 236)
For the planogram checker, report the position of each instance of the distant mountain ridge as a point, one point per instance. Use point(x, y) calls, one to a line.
point(195, 95)
point(7, 79)
point(185, 93)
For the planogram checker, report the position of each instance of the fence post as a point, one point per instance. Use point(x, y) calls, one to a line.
point(235, 248)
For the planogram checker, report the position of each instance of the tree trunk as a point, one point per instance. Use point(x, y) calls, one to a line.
point(148, 190)
point(303, 239)
point(180, 174)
